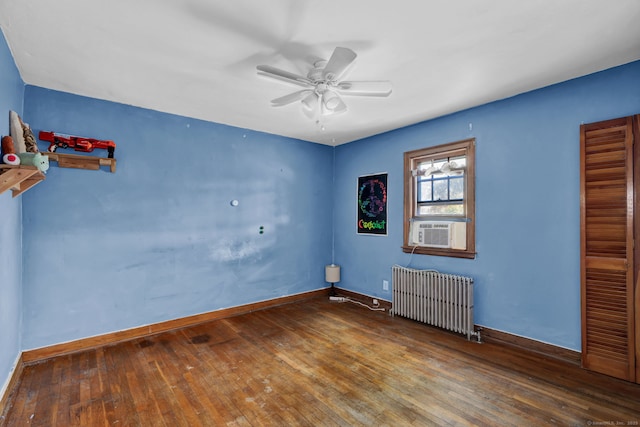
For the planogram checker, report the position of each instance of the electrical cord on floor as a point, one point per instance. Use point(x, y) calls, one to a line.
point(347, 299)
point(365, 305)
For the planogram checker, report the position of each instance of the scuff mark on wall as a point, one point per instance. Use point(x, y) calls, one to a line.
point(229, 250)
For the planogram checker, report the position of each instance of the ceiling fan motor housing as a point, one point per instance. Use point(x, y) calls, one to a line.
point(315, 74)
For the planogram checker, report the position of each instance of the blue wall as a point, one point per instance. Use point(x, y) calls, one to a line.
point(159, 239)
point(11, 97)
point(527, 271)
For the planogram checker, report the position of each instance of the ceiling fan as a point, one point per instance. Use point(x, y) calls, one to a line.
point(323, 87)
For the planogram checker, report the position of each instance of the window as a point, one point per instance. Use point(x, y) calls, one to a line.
point(439, 193)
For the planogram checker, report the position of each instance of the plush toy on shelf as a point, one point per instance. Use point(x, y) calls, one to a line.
point(17, 133)
point(9, 156)
point(35, 159)
point(25, 146)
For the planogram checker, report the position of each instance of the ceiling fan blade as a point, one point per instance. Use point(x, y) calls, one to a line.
point(368, 88)
point(277, 73)
point(292, 97)
point(340, 60)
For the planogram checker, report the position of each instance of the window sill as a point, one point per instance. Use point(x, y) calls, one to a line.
point(420, 250)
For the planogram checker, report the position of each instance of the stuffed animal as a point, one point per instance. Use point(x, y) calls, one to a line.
point(17, 133)
point(29, 139)
point(9, 151)
point(35, 159)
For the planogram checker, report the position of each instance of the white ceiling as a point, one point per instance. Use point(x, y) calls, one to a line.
point(198, 58)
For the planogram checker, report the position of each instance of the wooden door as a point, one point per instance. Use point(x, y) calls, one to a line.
point(636, 267)
point(607, 254)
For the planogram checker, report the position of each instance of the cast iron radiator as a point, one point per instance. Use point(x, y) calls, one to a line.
point(437, 299)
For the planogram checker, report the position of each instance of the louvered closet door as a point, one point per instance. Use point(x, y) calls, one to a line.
point(607, 257)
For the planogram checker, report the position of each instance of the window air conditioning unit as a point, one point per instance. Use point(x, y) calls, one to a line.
point(439, 234)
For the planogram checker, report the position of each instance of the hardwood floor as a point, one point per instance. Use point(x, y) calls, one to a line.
point(315, 363)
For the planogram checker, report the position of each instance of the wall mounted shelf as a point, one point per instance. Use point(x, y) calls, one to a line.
point(81, 162)
point(19, 178)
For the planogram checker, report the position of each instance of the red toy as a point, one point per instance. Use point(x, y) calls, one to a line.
point(9, 152)
point(78, 143)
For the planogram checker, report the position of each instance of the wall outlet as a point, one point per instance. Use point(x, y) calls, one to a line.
point(376, 302)
point(385, 285)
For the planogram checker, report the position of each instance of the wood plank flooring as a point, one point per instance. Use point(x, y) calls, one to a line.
point(315, 363)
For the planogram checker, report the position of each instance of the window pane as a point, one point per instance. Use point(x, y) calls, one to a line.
point(456, 188)
point(449, 209)
point(440, 190)
point(424, 194)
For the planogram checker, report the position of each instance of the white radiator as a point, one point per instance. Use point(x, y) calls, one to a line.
point(442, 300)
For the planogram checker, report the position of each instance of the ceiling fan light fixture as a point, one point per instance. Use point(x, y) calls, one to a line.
point(309, 102)
point(337, 106)
point(331, 100)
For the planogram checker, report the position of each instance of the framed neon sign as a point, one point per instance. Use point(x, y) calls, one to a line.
point(372, 204)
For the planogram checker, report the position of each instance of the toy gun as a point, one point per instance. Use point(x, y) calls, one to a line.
point(78, 143)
